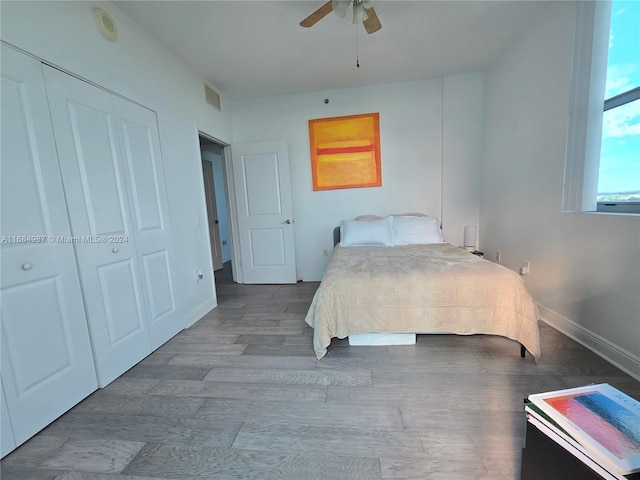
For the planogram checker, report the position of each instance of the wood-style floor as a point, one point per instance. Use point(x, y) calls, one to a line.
point(240, 395)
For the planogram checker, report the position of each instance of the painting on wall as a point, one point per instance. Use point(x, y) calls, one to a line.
point(345, 152)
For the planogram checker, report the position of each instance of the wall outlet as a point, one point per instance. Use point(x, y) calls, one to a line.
point(524, 269)
point(498, 255)
point(199, 275)
point(224, 242)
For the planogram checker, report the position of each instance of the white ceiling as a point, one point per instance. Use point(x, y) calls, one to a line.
point(256, 48)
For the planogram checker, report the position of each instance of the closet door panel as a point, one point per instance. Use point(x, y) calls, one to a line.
point(47, 362)
point(141, 162)
point(158, 281)
point(120, 291)
point(32, 197)
point(24, 186)
point(151, 223)
point(51, 345)
point(88, 148)
point(100, 183)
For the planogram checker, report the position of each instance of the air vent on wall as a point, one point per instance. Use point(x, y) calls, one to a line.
point(106, 25)
point(212, 96)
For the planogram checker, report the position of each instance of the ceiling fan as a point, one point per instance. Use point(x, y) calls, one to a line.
point(363, 12)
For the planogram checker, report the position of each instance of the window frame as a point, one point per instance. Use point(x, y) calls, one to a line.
point(586, 109)
point(622, 99)
point(609, 104)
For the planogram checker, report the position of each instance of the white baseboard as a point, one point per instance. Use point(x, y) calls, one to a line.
point(611, 352)
point(200, 311)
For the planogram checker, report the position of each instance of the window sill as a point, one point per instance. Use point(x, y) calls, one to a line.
point(621, 208)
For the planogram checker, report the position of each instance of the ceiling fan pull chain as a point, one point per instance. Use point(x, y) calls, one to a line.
point(357, 50)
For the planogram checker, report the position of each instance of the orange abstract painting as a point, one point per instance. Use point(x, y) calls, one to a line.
point(345, 152)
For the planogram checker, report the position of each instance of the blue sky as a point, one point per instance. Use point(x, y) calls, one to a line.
point(620, 155)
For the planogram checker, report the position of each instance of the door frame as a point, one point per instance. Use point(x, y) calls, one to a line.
point(230, 196)
point(232, 211)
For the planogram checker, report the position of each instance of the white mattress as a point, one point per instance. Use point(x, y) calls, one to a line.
point(377, 339)
point(420, 288)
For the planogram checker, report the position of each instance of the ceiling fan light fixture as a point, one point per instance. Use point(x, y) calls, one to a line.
point(359, 15)
point(362, 13)
point(340, 7)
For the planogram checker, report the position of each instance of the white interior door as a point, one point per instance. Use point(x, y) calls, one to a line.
point(85, 133)
point(150, 216)
point(212, 215)
point(265, 214)
point(47, 362)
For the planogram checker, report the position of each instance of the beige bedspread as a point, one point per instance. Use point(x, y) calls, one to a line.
point(421, 289)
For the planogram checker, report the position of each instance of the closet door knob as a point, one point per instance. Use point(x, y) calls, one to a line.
point(27, 266)
point(115, 249)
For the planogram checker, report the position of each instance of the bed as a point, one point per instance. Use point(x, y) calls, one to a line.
point(386, 281)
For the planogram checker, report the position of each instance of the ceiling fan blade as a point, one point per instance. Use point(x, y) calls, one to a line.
point(318, 15)
point(372, 22)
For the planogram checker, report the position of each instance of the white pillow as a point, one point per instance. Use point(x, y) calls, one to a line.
point(372, 232)
point(416, 230)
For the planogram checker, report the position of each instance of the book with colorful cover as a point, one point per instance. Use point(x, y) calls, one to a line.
point(533, 411)
point(604, 420)
point(550, 428)
point(577, 450)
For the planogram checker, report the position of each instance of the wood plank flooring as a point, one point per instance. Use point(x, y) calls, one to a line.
point(240, 395)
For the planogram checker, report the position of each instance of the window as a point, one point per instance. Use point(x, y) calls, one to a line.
point(619, 171)
point(602, 169)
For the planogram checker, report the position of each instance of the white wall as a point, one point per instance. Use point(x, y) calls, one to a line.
point(585, 268)
point(137, 67)
point(463, 100)
point(411, 138)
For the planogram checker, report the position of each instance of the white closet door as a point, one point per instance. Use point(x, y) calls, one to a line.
point(47, 363)
point(150, 216)
point(7, 440)
point(85, 132)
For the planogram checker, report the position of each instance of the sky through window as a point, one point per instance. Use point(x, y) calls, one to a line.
point(620, 151)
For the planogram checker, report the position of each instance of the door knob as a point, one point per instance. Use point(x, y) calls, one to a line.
point(287, 221)
point(216, 222)
point(27, 266)
point(115, 249)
